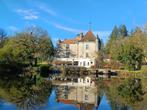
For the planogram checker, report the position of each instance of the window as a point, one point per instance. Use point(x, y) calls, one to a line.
point(75, 62)
point(86, 89)
point(87, 46)
point(88, 80)
point(67, 54)
point(87, 55)
point(88, 63)
point(86, 97)
point(84, 63)
point(67, 46)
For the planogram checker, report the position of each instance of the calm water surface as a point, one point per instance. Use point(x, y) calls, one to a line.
point(101, 97)
point(69, 98)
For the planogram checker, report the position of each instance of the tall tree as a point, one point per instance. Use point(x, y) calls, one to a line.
point(28, 46)
point(139, 38)
point(46, 48)
point(37, 43)
point(115, 33)
point(123, 31)
point(131, 56)
point(3, 37)
point(137, 31)
point(113, 36)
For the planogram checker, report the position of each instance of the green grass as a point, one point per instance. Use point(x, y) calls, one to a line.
point(144, 69)
point(137, 74)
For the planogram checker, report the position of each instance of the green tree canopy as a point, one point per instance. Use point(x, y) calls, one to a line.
point(131, 56)
point(113, 36)
point(131, 90)
point(28, 46)
point(3, 37)
point(115, 33)
point(123, 31)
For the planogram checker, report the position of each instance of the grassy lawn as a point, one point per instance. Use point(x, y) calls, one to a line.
point(137, 74)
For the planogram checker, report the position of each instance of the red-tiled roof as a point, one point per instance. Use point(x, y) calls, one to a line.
point(68, 41)
point(89, 37)
point(79, 105)
point(65, 101)
point(78, 38)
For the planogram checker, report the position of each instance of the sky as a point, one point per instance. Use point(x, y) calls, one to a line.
point(65, 19)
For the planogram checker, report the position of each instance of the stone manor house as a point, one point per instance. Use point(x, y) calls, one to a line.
point(80, 51)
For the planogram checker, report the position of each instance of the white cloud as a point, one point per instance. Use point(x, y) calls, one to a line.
point(67, 28)
point(31, 17)
point(101, 33)
point(49, 11)
point(43, 7)
point(28, 14)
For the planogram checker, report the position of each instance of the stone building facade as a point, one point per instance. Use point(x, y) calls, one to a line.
point(80, 51)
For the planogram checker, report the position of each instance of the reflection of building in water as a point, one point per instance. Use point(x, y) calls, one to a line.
point(83, 97)
point(87, 81)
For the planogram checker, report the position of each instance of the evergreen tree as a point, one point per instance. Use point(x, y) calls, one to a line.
point(137, 31)
point(113, 36)
point(123, 31)
point(115, 33)
point(101, 44)
point(3, 37)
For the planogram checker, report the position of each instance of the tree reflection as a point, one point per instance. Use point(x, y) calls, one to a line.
point(131, 90)
point(124, 94)
point(27, 92)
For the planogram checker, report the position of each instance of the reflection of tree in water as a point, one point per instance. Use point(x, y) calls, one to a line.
point(101, 86)
point(115, 100)
point(123, 94)
point(27, 92)
point(101, 89)
point(131, 90)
